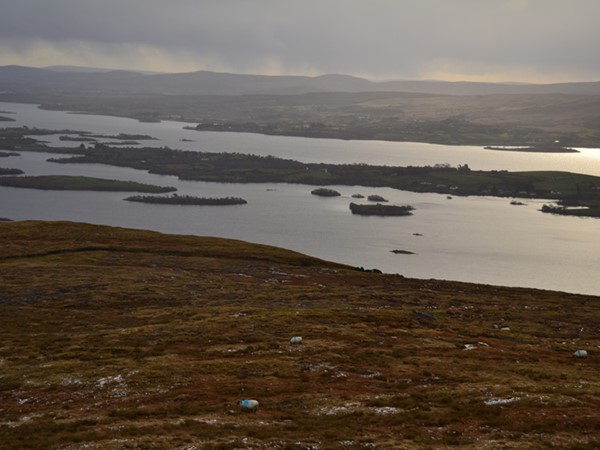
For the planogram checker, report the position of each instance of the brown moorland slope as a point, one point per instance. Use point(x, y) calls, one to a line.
point(118, 339)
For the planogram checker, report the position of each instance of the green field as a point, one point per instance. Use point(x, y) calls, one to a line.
point(79, 183)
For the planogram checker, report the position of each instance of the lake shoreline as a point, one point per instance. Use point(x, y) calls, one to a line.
point(474, 239)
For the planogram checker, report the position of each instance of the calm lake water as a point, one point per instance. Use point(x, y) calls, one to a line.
point(477, 239)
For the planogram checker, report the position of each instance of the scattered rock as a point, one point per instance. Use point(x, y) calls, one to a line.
point(471, 346)
point(501, 401)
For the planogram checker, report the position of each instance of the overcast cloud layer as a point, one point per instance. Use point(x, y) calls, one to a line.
point(486, 40)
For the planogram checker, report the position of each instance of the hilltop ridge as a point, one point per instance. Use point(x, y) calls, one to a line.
point(204, 82)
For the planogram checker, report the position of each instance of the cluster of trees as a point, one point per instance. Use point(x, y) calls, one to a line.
point(186, 200)
point(325, 192)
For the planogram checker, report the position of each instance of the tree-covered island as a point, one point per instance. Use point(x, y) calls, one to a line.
point(376, 198)
point(551, 147)
point(175, 199)
point(381, 210)
point(242, 168)
point(325, 192)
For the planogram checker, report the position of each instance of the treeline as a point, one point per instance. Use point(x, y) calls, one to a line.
point(186, 200)
point(440, 178)
point(5, 171)
point(449, 131)
point(325, 192)
point(244, 168)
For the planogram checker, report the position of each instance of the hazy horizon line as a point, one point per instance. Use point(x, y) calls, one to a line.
point(92, 69)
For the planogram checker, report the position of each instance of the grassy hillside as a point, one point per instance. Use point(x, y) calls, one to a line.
point(118, 339)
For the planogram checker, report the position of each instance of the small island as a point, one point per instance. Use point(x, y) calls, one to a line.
point(376, 198)
point(6, 119)
point(8, 154)
point(186, 200)
point(120, 143)
point(325, 192)
point(381, 210)
point(552, 147)
point(241, 168)
point(402, 252)
point(78, 183)
point(76, 138)
point(358, 196)
point(121, 136)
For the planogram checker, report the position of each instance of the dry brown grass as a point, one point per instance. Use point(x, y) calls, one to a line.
point(118, 339)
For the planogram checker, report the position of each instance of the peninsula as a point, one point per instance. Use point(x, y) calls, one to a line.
point(552, 147)
point(79, 183)
point(243, 168)
point(8, 154)
point(7, 171)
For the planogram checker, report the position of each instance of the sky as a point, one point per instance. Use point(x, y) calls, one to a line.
point(476, 40)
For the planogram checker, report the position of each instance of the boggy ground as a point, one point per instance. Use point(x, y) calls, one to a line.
point(121, 339)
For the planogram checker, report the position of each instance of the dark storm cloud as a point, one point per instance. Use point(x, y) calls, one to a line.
point(378, 38)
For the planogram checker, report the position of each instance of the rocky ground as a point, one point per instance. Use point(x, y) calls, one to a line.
point(121, 339)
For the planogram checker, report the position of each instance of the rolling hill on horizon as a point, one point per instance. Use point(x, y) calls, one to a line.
point(326, 106)
point(90, 80)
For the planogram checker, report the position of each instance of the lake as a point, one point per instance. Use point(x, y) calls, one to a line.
point(475, 239)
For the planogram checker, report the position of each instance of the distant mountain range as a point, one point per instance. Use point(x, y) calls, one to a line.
point(77, 80)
